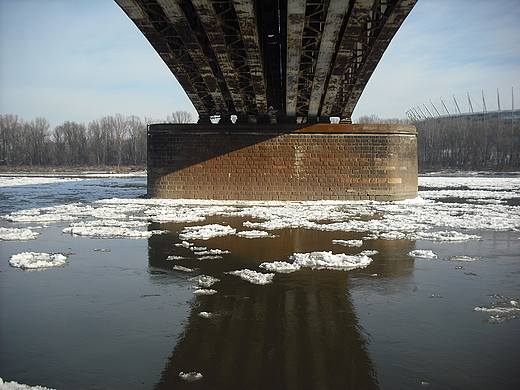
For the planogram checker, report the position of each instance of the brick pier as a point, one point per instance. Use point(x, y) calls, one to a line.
point(282, 162)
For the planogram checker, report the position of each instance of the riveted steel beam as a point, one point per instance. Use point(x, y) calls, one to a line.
point(295, 26)
point(270, 60)
point(336, 15)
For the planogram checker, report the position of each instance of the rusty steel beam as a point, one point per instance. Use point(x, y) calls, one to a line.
point(270, 60)
point(295, 26)
point(336, 14)
point(247, 20)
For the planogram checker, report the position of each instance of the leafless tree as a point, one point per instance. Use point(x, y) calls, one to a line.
point(180, 117)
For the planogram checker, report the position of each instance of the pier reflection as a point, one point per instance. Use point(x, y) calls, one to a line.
point(300, 332)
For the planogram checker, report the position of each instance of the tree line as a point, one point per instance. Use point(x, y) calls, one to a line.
point(111, 141)
point(457, 142)
point(464, 142)
point(469, 142)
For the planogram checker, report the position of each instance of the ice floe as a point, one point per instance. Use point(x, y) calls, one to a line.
point(12, 385)
point(464, 258)
point(204, 291)
point(350, 243)
point(110, 232)
point(502, 310)
point(205, 281)
point(280, 266)
point(190, 376)
point(17, 234)
point(205, 314)
point(423, 254)
point(34, 260)
point(442, 236)
point(327, 260)
point(183, 269)
point(205, 232)
point(255, 234)
point(253, 276)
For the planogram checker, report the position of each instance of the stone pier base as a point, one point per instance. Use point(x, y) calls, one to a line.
point(282, 162)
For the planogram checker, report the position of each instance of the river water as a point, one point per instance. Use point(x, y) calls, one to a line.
point(146, 302)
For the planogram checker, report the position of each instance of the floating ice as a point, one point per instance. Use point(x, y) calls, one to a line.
point(17, 386)
point(442, 236)
point(110, 232)
point(206, 232)
point(255, 234)
point(464, 258)
point(184, 244)
point(205, 280)
point(504, 309)
point(368, 252)
point(386, 236)
point(17, 234)
point(190, 376)
point(33, 260)
point(205, 314)
point(32, 180)
point(210, 252)
point(350, 243)
point(327, 260)
point(204, 291)
point(174, 257)
point(280, 266)
point(210, 257)
point(181, 268)
point(497, 319)
point(253, 276)
point(423, 254)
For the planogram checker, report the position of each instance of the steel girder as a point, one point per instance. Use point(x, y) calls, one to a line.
point(270, 60)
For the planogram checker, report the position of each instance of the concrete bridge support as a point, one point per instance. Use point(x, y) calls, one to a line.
point(285, 162)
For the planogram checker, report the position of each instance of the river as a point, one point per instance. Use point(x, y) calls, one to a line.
point(186, 294)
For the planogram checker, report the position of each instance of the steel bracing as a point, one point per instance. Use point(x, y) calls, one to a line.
point(270, 60)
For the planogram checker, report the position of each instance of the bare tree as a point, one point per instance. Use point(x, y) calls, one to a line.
point(180, 117)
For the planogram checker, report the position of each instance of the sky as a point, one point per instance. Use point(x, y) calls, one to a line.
point(70, 60)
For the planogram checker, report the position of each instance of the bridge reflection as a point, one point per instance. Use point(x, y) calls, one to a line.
point(301, 332)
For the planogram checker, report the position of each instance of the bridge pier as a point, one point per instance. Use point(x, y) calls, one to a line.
point(286, 162)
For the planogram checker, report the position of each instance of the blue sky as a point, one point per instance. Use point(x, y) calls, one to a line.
point(81, 60)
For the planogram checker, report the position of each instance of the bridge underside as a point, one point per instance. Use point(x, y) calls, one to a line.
point(270, 61)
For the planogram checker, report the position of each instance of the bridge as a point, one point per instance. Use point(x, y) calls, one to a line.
point(274, 73)
point(270, 60)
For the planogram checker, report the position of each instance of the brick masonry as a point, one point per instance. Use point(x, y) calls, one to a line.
point(282, 162)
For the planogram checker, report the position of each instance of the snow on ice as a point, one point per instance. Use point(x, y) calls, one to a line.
point(464, 258)
point(33, 260)
point(350, 243)
point(17, 234)
point(206, 232)
point(280, 266)
point(190, 376)
point(423, 254)
point(253, 276)
point(204, 291)
point(327, 260)
point(17, 386)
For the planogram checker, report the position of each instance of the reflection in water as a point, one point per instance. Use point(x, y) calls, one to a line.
point(301, 332)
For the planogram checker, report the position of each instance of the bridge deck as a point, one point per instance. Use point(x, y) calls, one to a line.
point(271, 60)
